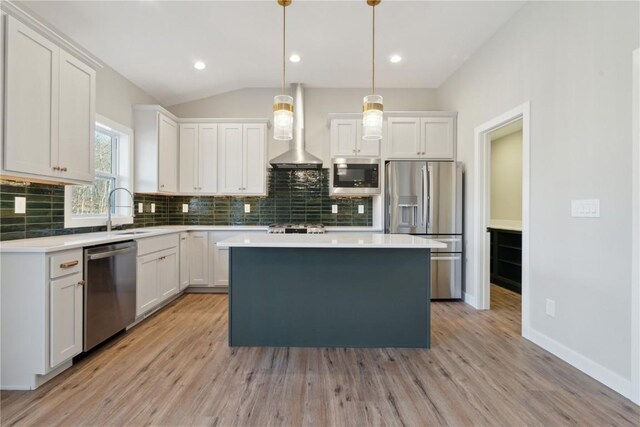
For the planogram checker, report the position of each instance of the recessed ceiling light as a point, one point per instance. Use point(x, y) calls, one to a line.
point(295, 58)
point(395, 58)
point(199, 65)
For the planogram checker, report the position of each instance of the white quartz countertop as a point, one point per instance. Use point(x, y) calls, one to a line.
point(338, 240)
point(73, 241)
point(506, 224)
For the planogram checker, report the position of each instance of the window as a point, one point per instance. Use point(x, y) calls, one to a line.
point(87, 205)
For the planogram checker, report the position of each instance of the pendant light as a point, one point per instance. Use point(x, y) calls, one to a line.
point(372, 104)
point(283, 104)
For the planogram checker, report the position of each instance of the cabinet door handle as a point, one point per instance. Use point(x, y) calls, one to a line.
point(63, 169)
point(161, 185)
point(69, 264)
point(81, 283)
point(56, 168)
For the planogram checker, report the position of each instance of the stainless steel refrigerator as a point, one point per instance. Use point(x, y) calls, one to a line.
point(426, 198)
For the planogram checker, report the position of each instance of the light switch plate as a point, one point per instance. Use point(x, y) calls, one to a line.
point(247, 208)
point(551, 308)
point(334, 208)
point(140, 207)
point(587, 208)
point(153, 208)
point(20, 206)
point(360, 209)
point(185, 208)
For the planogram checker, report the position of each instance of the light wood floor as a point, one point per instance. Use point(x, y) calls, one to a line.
point(176, 369)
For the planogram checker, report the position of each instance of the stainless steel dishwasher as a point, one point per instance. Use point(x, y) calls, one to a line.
point(109, 292)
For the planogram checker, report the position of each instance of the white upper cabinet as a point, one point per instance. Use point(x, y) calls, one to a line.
point(430, 138)
point(254, 164)
point(76, 118)
point(156, 147)
point(208, 158)
point(242, 159)
point(188, 158)
point(438, 137)
point(346, 140)
point(167, 154)
point(403, 137)
point(49, 109)
point(198, 158)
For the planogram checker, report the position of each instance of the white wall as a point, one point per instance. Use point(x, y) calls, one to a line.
point(573, 61)
point(506, 177)
point(257, 103)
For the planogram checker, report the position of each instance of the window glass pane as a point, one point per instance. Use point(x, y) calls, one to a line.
point(104, 152)
point(92, 199)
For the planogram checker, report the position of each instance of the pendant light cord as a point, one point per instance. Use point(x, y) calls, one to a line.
point(284, 45)
point(373, 56)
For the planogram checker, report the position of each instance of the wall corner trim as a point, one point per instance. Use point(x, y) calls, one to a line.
point(471, 300)
point(614, 381)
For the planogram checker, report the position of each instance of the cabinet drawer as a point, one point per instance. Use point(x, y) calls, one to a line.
point(65, 263)
point(159, 243)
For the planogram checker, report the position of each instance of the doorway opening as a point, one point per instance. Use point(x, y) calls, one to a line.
point(509, 231)
point(505, 218)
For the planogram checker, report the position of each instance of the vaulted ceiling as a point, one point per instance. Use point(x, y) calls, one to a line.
point(155, 43)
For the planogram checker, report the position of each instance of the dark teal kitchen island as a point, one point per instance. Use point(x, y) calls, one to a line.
point(331, 290)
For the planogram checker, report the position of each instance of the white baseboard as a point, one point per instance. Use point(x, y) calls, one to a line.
point(471, 300)
point(604, 375)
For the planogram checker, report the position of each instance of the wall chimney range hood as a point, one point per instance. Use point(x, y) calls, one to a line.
point(297, 157)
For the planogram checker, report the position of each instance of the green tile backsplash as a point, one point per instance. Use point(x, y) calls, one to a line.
point(298, 196)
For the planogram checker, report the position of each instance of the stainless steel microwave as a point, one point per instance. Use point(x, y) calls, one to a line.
point(354, 176)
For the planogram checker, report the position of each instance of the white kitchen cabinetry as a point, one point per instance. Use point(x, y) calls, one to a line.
point(41, 323)
point(198, 158)
point(198, 258)
point(242, 165)
point(219, 257)
point(156, 150)
point(403, 138)
point(157, 271)
point(66, 318)
point(49, 109)
point(184, 261)
point(431, 138)
point(438, 137)
point(346, 140)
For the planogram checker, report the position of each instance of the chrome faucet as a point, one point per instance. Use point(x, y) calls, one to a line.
point(109, 224)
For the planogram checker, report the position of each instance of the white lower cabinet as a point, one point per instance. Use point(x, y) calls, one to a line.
point(219, 260)
point(184, 260)
point(198, 258)
point(158, 270)
point(168, 267)
point(65, 318)
point(147, 295)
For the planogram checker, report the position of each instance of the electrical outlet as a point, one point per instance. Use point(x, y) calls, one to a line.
point(551, 308)
point(589, 208)
point(20, 205)
point(153, 208)
point(140, 207)
point(360, 209)
point(334, 209)
point(185, 208)
point(247, 208)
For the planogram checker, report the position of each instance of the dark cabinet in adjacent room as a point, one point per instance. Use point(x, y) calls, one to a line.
point(506, 259)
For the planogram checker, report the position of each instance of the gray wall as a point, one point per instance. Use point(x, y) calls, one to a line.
point(573, 61)
point(257, 103)
point(115, 96)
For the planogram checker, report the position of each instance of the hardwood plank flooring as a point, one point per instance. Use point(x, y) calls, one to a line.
point(175, 369)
